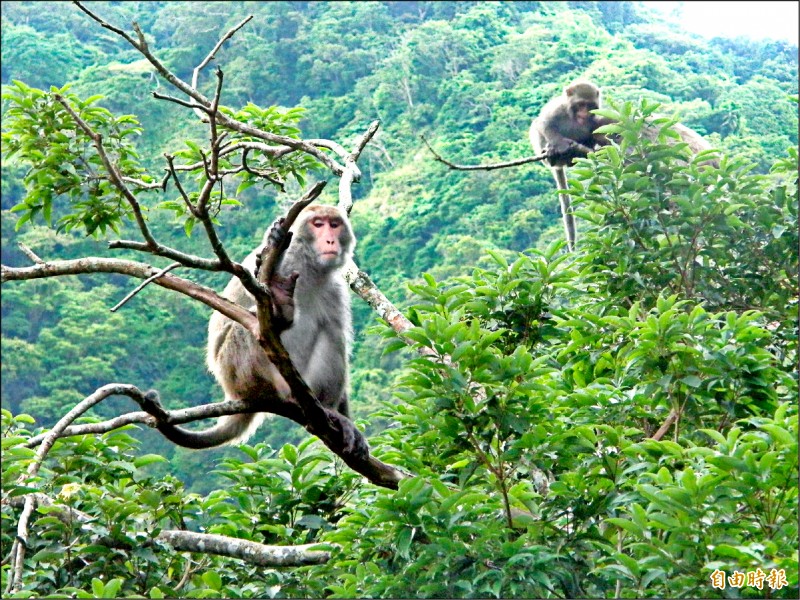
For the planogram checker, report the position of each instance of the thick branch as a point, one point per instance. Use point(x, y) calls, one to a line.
point(352, 173)
point(263, 555)
point(366, 289)
point(250, 552)
point(133, 269)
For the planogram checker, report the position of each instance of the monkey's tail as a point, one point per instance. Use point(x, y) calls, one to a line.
point(231, 429)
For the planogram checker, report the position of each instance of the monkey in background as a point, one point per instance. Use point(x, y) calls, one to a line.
point(565, 129)
point(317, 338)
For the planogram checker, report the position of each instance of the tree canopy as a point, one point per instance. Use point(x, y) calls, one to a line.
point(620, 421)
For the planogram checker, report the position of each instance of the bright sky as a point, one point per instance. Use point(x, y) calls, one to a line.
point(776, 20)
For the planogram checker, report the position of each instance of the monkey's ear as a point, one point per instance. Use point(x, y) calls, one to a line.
point(570, 90)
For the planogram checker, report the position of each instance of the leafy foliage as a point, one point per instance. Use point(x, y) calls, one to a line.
point(528, 418)
point(62, 160)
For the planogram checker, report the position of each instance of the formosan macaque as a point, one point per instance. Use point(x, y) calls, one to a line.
point(318, 339)
point(565, 129)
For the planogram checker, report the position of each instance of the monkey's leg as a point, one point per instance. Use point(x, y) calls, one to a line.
point(559, 173)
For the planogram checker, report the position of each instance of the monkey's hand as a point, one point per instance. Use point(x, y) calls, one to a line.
point(282, 290)
point(566, 149)
point(278, 235)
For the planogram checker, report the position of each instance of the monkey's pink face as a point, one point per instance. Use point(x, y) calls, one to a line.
point(581, 112)
point(327, 232)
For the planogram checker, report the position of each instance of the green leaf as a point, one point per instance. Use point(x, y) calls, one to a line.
point(112, 588)
point(692, 381)
point(189, 225)
point(212, 580)
point(148, 459)
point(403, 542)
point(780, 435)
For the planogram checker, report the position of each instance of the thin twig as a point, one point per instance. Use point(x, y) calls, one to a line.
point(503, 165)
point(261, 173)
point(178, 184)
point(30, 253)
point(147, 281)
point(193, 105)
point(148, 186)
point(212, 55)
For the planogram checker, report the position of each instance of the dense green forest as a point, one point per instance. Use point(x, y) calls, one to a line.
point(678, 308)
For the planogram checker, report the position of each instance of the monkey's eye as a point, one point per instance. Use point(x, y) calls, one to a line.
point(335, 224)
point(317, 223)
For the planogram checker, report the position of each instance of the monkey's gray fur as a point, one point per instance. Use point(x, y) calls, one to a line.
point(318, 341)
point(565, 127)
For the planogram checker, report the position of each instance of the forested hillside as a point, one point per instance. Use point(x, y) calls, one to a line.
point(678, 311)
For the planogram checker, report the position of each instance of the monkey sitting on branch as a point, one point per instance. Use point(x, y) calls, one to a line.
point(563, 131)
point(311, 304)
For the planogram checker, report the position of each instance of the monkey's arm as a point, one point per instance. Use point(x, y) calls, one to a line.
point(561, 146)
point(281, 287)
point(282, 301)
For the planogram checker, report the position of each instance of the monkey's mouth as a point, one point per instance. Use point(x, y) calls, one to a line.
point(330, 253)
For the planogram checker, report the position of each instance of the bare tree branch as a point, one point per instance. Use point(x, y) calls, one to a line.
point(133, 269)
point(366, 289)
point(223, 119)
point(178, 185)
point(29, 480)
point(491, 167)
point(263, 555)
point(670, 420)
point(156, 185)
point(147, 417)
point(142, 285)
point(352, 173)
point(213, 53)
point(29, 253)
point(193, 105)
point(251, 552)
